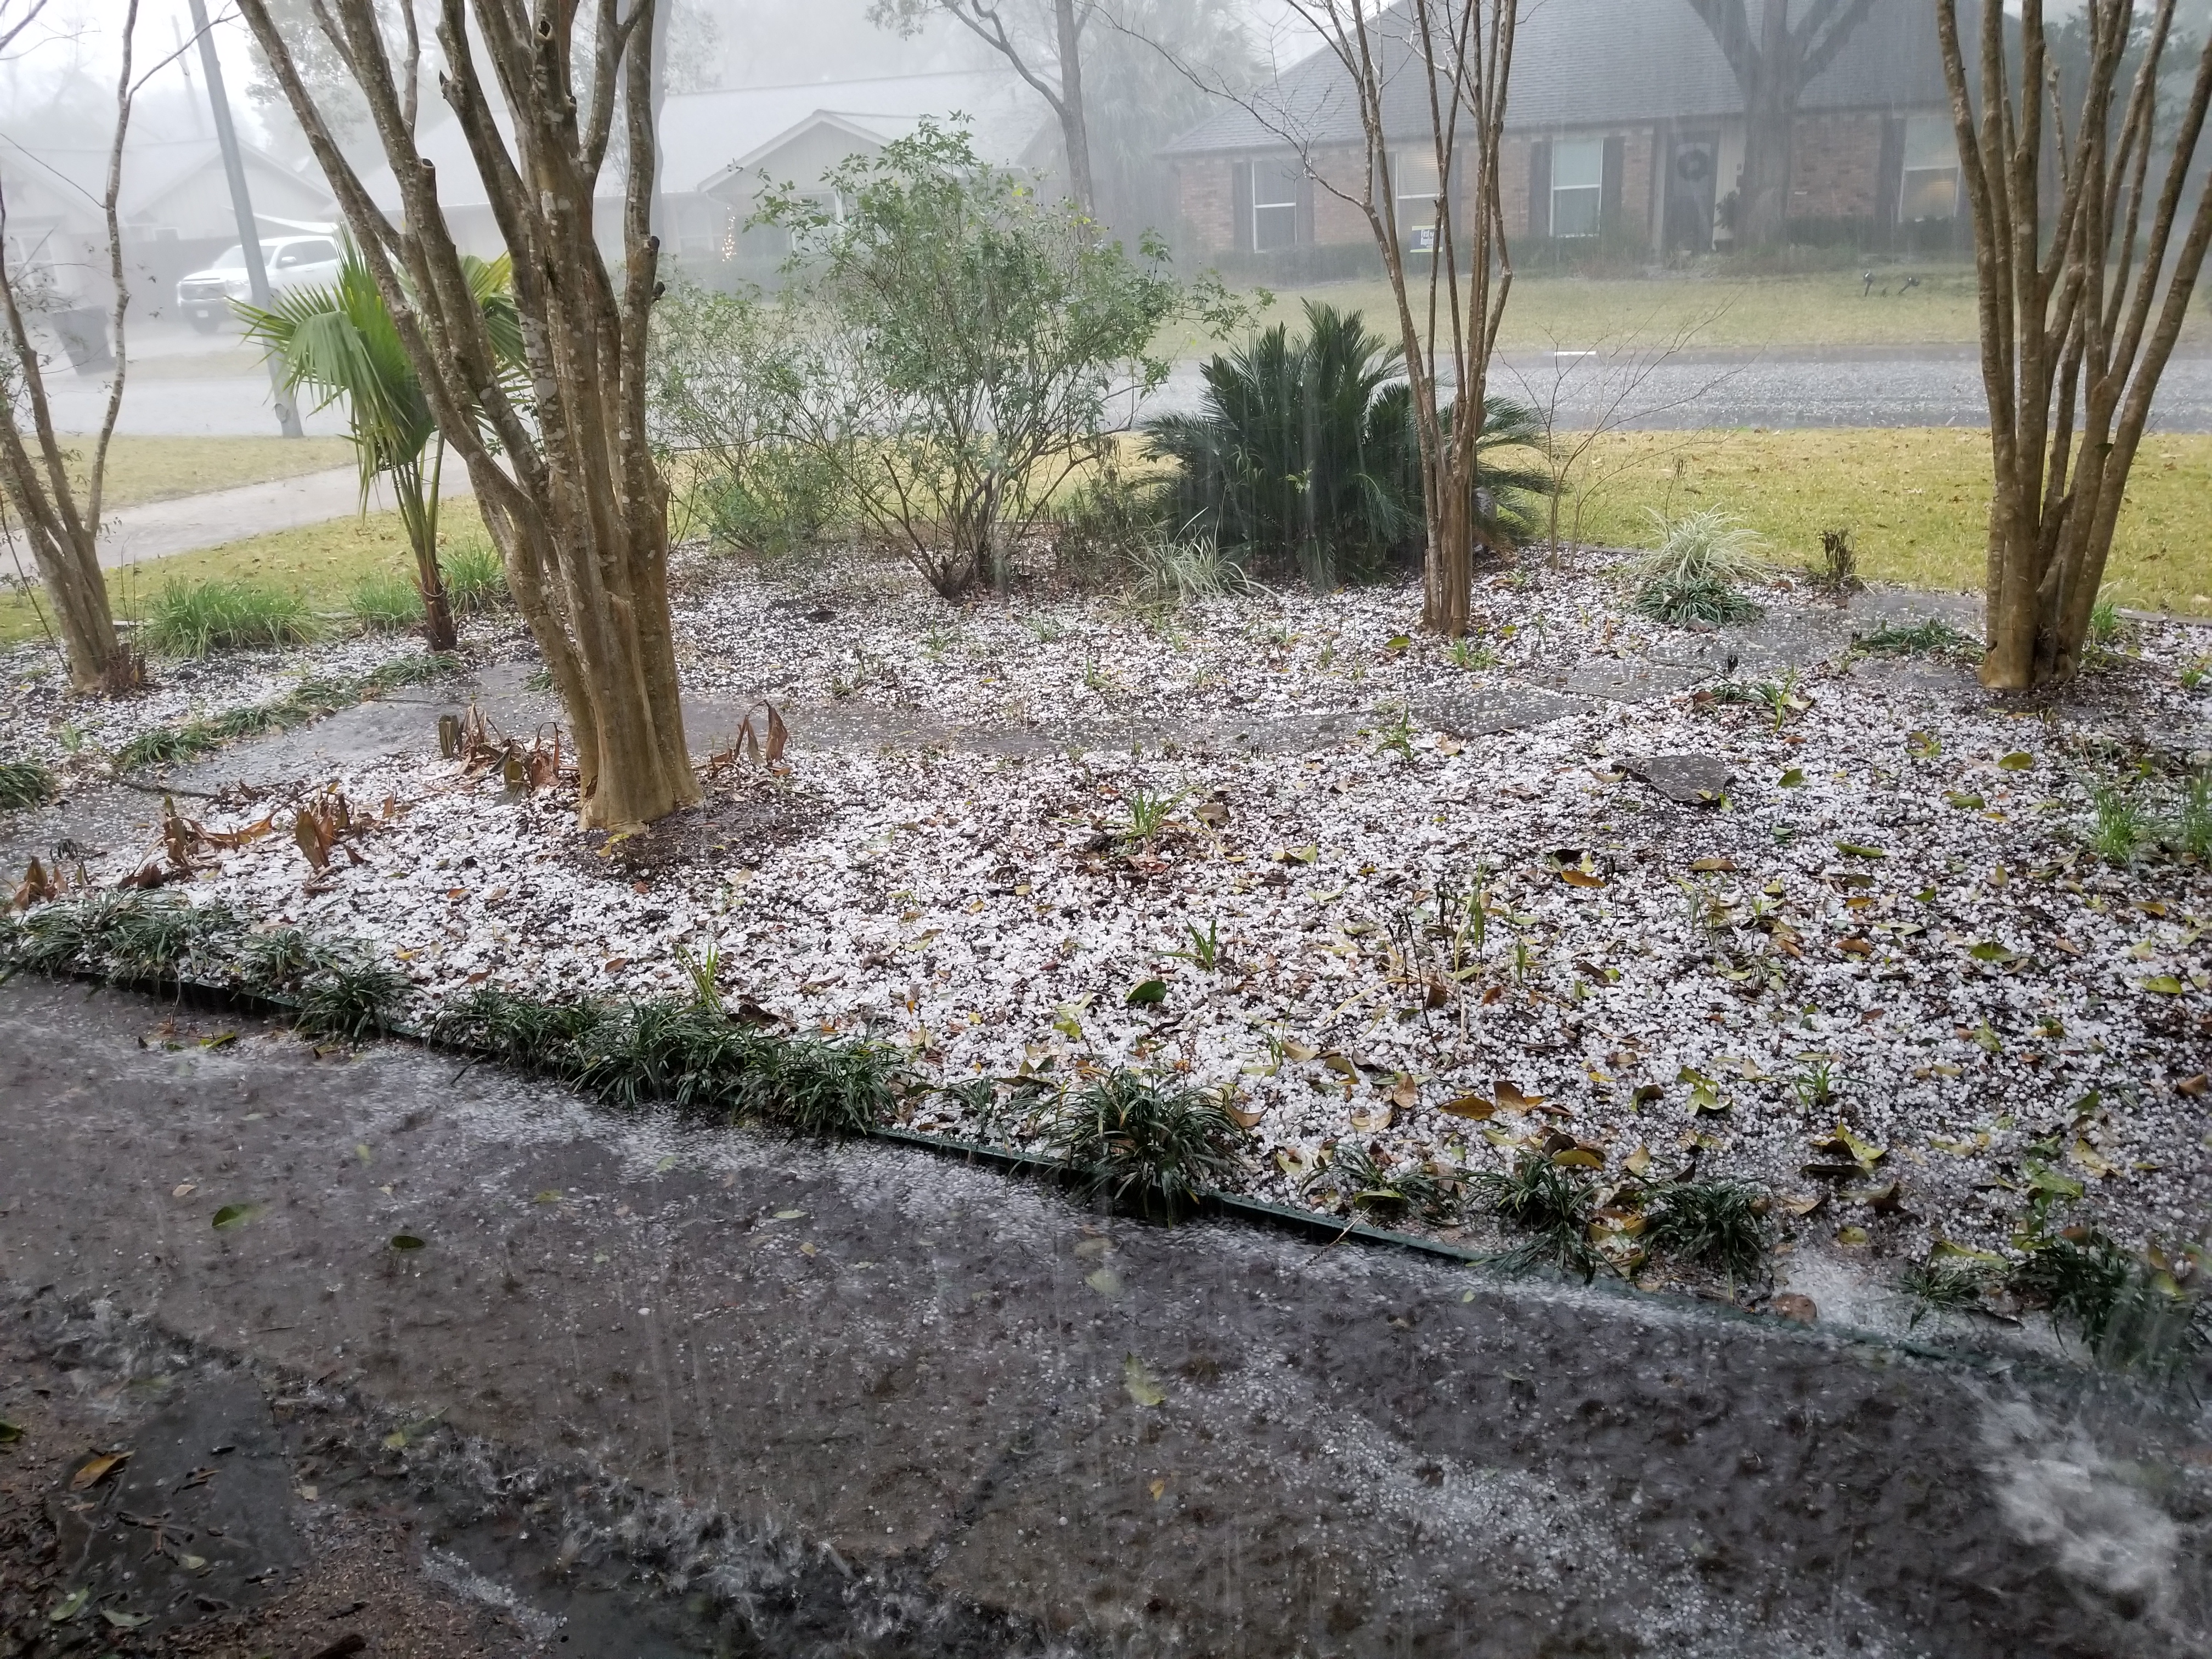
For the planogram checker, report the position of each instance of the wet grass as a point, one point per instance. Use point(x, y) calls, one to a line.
point(1144, 1142)
point(1930, 637)
point(1393, 1195)
point(23, 785)
point(685, 1055)
point(385, 602)
point(1916, 501)
point(2146, 1314)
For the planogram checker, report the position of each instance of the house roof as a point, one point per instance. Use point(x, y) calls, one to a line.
point(152, 173)
point(709, 137)
point(1585, 64)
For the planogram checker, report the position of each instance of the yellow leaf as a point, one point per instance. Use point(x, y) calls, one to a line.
point(97, 1469)
point(1638, 1162)
point(1137, 1379)
point(1476, 1107)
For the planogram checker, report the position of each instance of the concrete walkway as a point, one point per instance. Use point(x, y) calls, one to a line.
point(1092, 1435)
point(158, 530)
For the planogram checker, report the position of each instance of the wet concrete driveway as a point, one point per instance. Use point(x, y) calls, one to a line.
point(756, 1396)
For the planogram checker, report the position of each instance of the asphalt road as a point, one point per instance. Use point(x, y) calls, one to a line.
point(1018, 1424)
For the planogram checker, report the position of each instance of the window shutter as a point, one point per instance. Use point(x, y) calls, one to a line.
point(1539, 189)
point(1616, 164)
point(1240, 191)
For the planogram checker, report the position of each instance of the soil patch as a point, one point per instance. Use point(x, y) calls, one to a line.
point(750, 816)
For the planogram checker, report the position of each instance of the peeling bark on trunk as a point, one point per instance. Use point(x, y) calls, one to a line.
point(2083, 289)
point(1449, 313)
point(572, 498)
point(34, 478)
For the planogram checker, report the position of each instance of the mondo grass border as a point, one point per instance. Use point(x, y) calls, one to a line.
point(311, 700)
point(152, 937)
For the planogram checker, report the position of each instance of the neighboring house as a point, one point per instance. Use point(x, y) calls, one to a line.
point(720, 151)
point(1624, 124)
point(174, 208)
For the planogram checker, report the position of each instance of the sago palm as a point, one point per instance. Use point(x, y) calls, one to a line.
point(1305, 453)
point(340, 341)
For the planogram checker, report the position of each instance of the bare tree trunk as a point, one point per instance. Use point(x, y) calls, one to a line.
point(63, 535)
point(1769, 117)
point(573, 501)
point(2083, 288)
point(1074, 128)
point(1774, 60)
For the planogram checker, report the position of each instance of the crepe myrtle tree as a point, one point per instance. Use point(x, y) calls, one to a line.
point(564, 471)
point(1443, 247)
point(2086, 255)
point(59, 515)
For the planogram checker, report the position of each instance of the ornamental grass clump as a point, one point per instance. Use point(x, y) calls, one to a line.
point(1553, 1206)
point(197, 619)
point(23, 785)
point(1145, 1142)
point(1715, 1225)
point(1695, 573)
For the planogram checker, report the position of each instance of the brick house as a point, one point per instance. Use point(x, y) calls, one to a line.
point(1624, 130)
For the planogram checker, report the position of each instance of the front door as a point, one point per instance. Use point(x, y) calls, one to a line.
point(1693, 164)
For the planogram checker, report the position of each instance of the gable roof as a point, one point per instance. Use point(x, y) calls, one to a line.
point(154, 171)
point(707, 137)
point(1585, 64)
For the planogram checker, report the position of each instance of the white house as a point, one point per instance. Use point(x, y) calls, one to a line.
point(719, 150)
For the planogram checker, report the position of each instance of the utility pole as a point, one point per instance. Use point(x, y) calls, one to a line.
point(249, 228)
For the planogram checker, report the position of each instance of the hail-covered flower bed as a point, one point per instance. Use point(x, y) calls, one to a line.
point(1927, 971)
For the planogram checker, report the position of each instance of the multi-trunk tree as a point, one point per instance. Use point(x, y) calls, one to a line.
point(59, 516)
point(2087, 254)
point(1429, 81)
point(564, 472)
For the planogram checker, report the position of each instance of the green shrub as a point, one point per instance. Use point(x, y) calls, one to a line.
point(1149, 1143)
point(1304, 456)
point(2120, 827)
point(1709, 543)
point(387, 603)
point(2192, 829)
point(23, 785)
point(195, 619)
point(475, 581)
point(781, 499)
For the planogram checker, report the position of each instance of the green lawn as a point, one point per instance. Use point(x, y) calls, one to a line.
point(162, 469)
point(1711, 310)
point(323, 562)
point(1916, 500)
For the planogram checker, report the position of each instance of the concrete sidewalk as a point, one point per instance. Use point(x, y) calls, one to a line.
point(1142, 1440)
point(158, 530)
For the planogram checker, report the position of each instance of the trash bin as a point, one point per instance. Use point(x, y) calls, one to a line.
point(84, 330)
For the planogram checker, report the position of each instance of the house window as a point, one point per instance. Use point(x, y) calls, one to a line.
point(1930, 189)
point(1577, 186)
point(1418, 192)
point(814, 238)
point(1275, 205)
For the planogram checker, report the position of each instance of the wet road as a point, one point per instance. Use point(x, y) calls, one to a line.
point(1783, 386)
point(1079, 1433)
